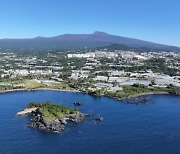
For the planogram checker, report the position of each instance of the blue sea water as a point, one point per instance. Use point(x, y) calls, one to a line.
point(136, 129)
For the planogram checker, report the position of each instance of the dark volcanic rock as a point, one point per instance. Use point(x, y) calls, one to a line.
point(55, 125)
point(77, 118)
point(138, 100)
point(88, 115)
point(99, 118)
point(77, 103)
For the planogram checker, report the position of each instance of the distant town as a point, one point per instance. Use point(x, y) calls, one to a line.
point(116, 73)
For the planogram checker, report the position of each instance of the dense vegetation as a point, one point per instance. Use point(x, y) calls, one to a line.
point(137, 89)
point(49, 110)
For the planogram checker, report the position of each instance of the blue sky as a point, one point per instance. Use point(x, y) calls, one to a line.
point(152, 20)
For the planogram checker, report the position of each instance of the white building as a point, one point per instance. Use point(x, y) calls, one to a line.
point(82, 55)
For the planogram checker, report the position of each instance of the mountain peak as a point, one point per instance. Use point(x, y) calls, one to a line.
point(100, 33)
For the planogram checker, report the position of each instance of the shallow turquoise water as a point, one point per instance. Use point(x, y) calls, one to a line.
point(127, 128)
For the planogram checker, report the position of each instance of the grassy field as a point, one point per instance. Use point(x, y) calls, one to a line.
point(52, 111)
point(33, 84)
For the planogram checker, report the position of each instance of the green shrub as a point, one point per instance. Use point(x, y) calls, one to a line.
point(50, 110)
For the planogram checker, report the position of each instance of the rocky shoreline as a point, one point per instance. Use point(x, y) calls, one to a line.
point(55, 125)
point(54, 117)
point(78, 91)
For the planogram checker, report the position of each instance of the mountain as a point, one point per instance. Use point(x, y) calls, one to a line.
point(117, 47)
point(79, 41)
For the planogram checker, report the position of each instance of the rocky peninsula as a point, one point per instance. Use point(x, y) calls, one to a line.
point(51, 117)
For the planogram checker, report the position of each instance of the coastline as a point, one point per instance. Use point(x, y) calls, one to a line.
point(138, 95)
point(36, 89)
point(143, 94)
point(77, 91)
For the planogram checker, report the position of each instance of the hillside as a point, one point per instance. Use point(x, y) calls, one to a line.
point(79, 41)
